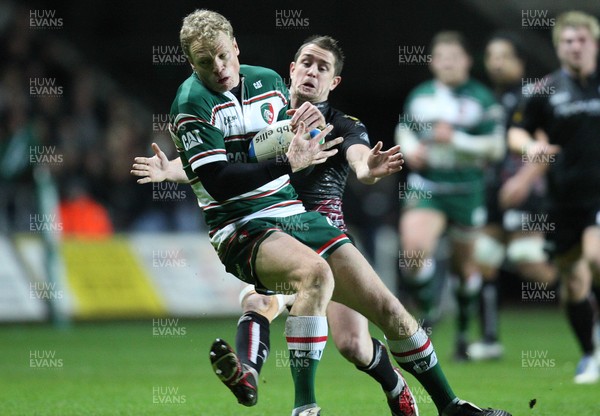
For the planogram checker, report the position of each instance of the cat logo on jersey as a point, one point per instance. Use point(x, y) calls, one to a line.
point(266, 110)
point(191, 139)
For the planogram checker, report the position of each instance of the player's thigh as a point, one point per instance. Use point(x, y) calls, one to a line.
point(420, 229)
point(283, 263)
point(360, 288)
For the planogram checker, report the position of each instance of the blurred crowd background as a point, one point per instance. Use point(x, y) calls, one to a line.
point(112, 68)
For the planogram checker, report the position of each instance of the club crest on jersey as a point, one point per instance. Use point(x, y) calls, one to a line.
point(266, 110)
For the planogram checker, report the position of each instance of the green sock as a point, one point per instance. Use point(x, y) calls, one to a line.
point(422, 287)
point(417, 356)
point(306, 337)
point(304, 370)
point(467, 298)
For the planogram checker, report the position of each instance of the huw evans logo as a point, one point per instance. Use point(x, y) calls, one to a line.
point(413, 55)
point(44, 19)
point(168, 55)
point(44, 87)
point(291, 19)
point(536, 19)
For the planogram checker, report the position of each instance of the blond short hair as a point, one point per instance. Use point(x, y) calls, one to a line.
point(575, 19)
point(201, 26)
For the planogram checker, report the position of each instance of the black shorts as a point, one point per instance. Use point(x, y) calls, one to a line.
point(568, 225)
point(511, 220)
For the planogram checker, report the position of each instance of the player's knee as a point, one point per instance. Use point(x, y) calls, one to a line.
point(527, 250)
point(316, 278)
point(393, 317)
point(488, 252)
point(578, 282)
point(255, 302)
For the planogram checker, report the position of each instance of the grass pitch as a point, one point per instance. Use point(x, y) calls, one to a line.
point(131, 368)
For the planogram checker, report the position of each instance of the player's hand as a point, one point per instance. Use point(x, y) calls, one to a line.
point(309, 115)
point(382, 164)
point(417, 160)
point(153, 169)
point(304, 152)
point(442, 132)
point(540, 151)
point(514, 192)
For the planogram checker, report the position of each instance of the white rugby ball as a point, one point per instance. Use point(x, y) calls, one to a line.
point(273, 140)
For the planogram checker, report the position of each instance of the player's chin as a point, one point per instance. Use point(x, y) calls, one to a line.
point(306, 96)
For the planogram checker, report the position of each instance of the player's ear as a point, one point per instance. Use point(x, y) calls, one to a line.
point(235, 47)
point(335, 82)
point(292, 67)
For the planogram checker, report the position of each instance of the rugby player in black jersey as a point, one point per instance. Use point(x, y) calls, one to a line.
point(314, 73)
point(504, 238)
point(566, 106)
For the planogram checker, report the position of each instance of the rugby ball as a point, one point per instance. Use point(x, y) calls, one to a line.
point(273, 140)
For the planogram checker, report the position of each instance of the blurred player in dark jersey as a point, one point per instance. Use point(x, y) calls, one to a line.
point(566, 106)
point(314, 73)
point(504, 238)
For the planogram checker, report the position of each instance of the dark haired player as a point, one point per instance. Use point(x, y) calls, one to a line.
point(507, 236)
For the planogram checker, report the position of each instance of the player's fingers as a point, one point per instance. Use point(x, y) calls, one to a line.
point(142, 181)
point(158, 152)
point(140, 167)
point(322, 135)
point(312, 121)
point(326, 153)
point(319, 161)
point(377, 148)
point(330, 143)
point(297, 115)
point(393, 150)
point(141, 160)
point(136, 172)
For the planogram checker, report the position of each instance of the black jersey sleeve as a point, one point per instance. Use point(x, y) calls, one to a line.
point(224, 180)
point(530, 112)
point(352, 130)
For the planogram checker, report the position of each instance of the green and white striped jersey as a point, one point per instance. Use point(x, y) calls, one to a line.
point(477, 120)
point(207, 126)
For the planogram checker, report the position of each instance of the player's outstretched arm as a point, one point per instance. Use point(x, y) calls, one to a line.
point(304, 152)
point(371, 165)
point(521, 142)
point(158, 168)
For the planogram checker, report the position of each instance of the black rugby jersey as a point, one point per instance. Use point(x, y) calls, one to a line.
point(568, 110)
point(323, 188)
